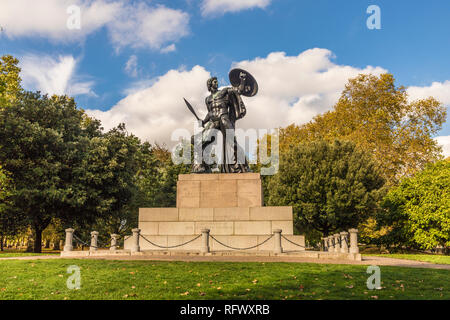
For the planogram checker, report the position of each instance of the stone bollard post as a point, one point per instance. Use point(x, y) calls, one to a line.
point(94, 241)
point(113, 246)
point(337, 245)
point(325, 244)
point(69, 240)
point(136, 235)
point(205, 240)
point(344, 245)
point(278, 248)
point(331, 242)
point(353, 240)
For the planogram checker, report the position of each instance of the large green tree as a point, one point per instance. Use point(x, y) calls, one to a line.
point(45, 143)
point(11, 221)
point(417, 212)
point(113, 163)
point(331, 186)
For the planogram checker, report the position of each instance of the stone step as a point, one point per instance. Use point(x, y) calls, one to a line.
point(216, 214)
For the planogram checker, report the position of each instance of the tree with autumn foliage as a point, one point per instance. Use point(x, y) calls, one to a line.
point(377, 116)
point(9, 80)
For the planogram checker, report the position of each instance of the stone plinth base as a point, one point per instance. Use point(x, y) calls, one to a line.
point(319, 255)
point(229, 205)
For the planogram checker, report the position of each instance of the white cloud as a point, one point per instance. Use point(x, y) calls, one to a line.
point(217, 7)
point(53, 75)
point(169, 48)
point(129, 25)
point(444, 141)
point(48, 18)
point(292, 89)
point(438, 90)
point(142, 26)
point(154, 112)
point(131, 66)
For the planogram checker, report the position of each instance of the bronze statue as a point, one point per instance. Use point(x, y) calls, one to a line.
point(225, 106)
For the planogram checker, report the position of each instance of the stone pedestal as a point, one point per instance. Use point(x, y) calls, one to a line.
point(229, 205)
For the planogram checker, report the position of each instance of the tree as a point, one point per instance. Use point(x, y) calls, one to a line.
point(417, 212)
point(43, 145)
point(10, 219)
point(158, 177)
point(9, 80)
point(113, 163)
point(377, 116)
point(331, 187)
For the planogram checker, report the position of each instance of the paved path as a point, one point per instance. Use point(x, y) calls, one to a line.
point(366, 260)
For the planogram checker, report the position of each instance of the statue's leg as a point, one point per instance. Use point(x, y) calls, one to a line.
point(199, 165)
point(234, 156)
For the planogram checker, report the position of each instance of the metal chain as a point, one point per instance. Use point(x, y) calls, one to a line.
point(81, 241)
point(299, 245)
point(170, 247)
point(241, 248)
point(88, 245)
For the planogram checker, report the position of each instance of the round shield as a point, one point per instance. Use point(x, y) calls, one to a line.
point(250, 84)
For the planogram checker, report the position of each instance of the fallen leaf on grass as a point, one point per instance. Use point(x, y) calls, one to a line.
point(184, 294)
point(374, 297)
point(350, 286)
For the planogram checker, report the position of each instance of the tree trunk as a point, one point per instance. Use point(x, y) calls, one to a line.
point(1, 243)
point(37, 240)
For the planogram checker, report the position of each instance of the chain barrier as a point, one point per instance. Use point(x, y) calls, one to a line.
point(81, 241)
point(233, 248)
point(99, 245)
point(169, 247)
point(296, 244)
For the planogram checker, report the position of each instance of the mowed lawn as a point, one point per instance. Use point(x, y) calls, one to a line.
point(438, 259)
point(101, 279)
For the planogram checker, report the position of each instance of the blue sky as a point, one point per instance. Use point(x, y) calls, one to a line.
point(157, 37)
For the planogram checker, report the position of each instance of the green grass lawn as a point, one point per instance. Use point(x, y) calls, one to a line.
point(17, 253)
point(102, 279)
point(439, 259)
